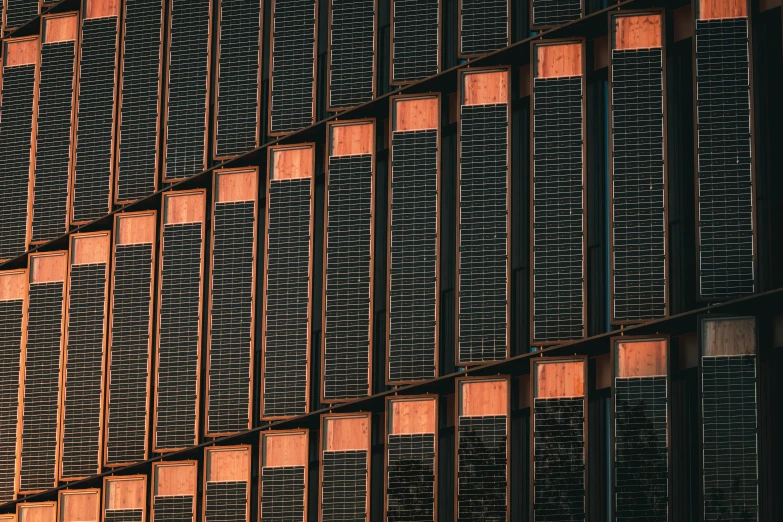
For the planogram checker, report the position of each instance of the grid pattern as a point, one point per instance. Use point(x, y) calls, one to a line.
point(140, 91)
point(10, 353)
point(175, 508)
point(16, 125)
point(482, 468)
point(53, 141)
point(549, 13)
point(287, 298)
point(238, 66)
point(725, 178)
point(729, 427)
point(130, 336)
point(558, 210)
point(352, 53)
point(19, 12)
point(348, 269)
point(178, 339)
point(559, 459)
point(231, 322)
point(83, 371)
point(410, 496)
point(94, 122)
point(123, 515)
point(415, 45)
point(226, 502)
point(41, 383)
point(283, 494)
point(638, 197)
point(413, 284)
point(344, 488)
point(641, 449)
point(293, 65)
point(483, 26)
point(483, 233)
point(186, 107)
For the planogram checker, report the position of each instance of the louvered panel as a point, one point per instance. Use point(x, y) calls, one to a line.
point(92, 183)
point(482, 468)
point(724, 159)
point(12, 310)
point(483, 25)
point(123, 515)
point(173, 508)
point(411, 478)
point(549, 13)
point(415, 40)
point(187, 98)
point(225, 502)
point(293, 65)
point(344, 486)
point(18, 12)
point(351, 53)
point(236, 129)
point(140, 105)
point(282, 494)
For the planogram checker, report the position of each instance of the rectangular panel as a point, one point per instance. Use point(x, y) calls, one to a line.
point(232, 300)
point(141, 83)
point(351, 53)
point(283, 476)
point(98, 59)
point(482, 473)
point(17, 13)
point(285, 361)
point(187, 96)
point(348, 296)
point(130, 338)
point(638, 167)
point(411, 459)
point(640, 429)
point(729, 418)
point(13, 313)
point(550, 13)
point(345, 467)
point(85, 346)
point(174, 491)
point(125, 499)
point(227, 484)
point(79, 505)
point(415, 29)
point(56, 113)
point(484, 26)
point(37, 512)
point(292, 71)
point(558, 285)
point(724, 152)
point(180, 287)
point(484, 217)
point(559, 433)
point(238, 83)
point(413, 266)
point(17, 137)
point(42, 356)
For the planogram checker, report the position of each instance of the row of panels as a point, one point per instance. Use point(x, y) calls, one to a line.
point(557, 396)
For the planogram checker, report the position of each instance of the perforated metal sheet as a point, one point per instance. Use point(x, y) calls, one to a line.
point(483, 26)
point(175, 508)
point(283, 494)
point(410, 495)
point(123, 515)
point(352, 52)
point(226, 502)
point(10, 353)
point(482, 468)
point(549, 13)
point(344, 486)
point(415, 39)
point(19, 12)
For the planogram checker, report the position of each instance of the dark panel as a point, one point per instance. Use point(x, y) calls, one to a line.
point(226, 502)
point(175, 508)
point(725, 174)
point(548, 13)
point(19, 12)
point(352, 52)
point(348, 245)
point(282, 494)
point(410, 494)
point(53, 140)
point(345, 486)
point(123, 515)
point(482, 468)
point(415, 46)
point(10, 353)
point(483, 26)
point(137, 161)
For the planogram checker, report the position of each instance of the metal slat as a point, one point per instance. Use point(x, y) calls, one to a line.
point(282, 494)
point(344, 487)
point(482, 468)
point(415, 39)
point(10, 353)
point(410, 495)
point(352, 53)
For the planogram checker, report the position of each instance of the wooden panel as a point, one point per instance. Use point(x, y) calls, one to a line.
point(351, 138)
point(413, 416)
point(13, 285)
point(90, 248)
point(293, 163)
point(641, 358)
point(37, 512)
point(347, 433)
point(736, 336)
point(176, 478)
point(560, 379)
point(10, 517)
point(102, 8)
point(485, 88)
point(80, 506)
point(416, 114)
point(20, 51)
point(483, 398)
point(45, 268)
point(558, 60)
point(184, 207)
point(133, 229)
point(227, 464)
point(716, 9)
point(236, 186)
point(637, 32)
point(283, 449)
point(125, 492)
point(60, 28)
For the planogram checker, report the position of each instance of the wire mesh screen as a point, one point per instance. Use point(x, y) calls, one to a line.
point(352, 56)
point(410, 495)
point(415, 46)
point(482, 468)
point(10, 353)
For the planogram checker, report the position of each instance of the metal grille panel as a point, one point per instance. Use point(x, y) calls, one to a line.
point(123, 515)
point(413, 284)
point(348, 270)
point(283, 494)
point(19, 12)
point(725, 177)
point(482, 468)
point(410, 496)
point(549, 13)
point(558, 207)
point(483, 233)
point(344, 489)
point(10, 353)
point(352, 56)
point(226, 502)
point(483, 26)
point(415, 40)
point(175, 508)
